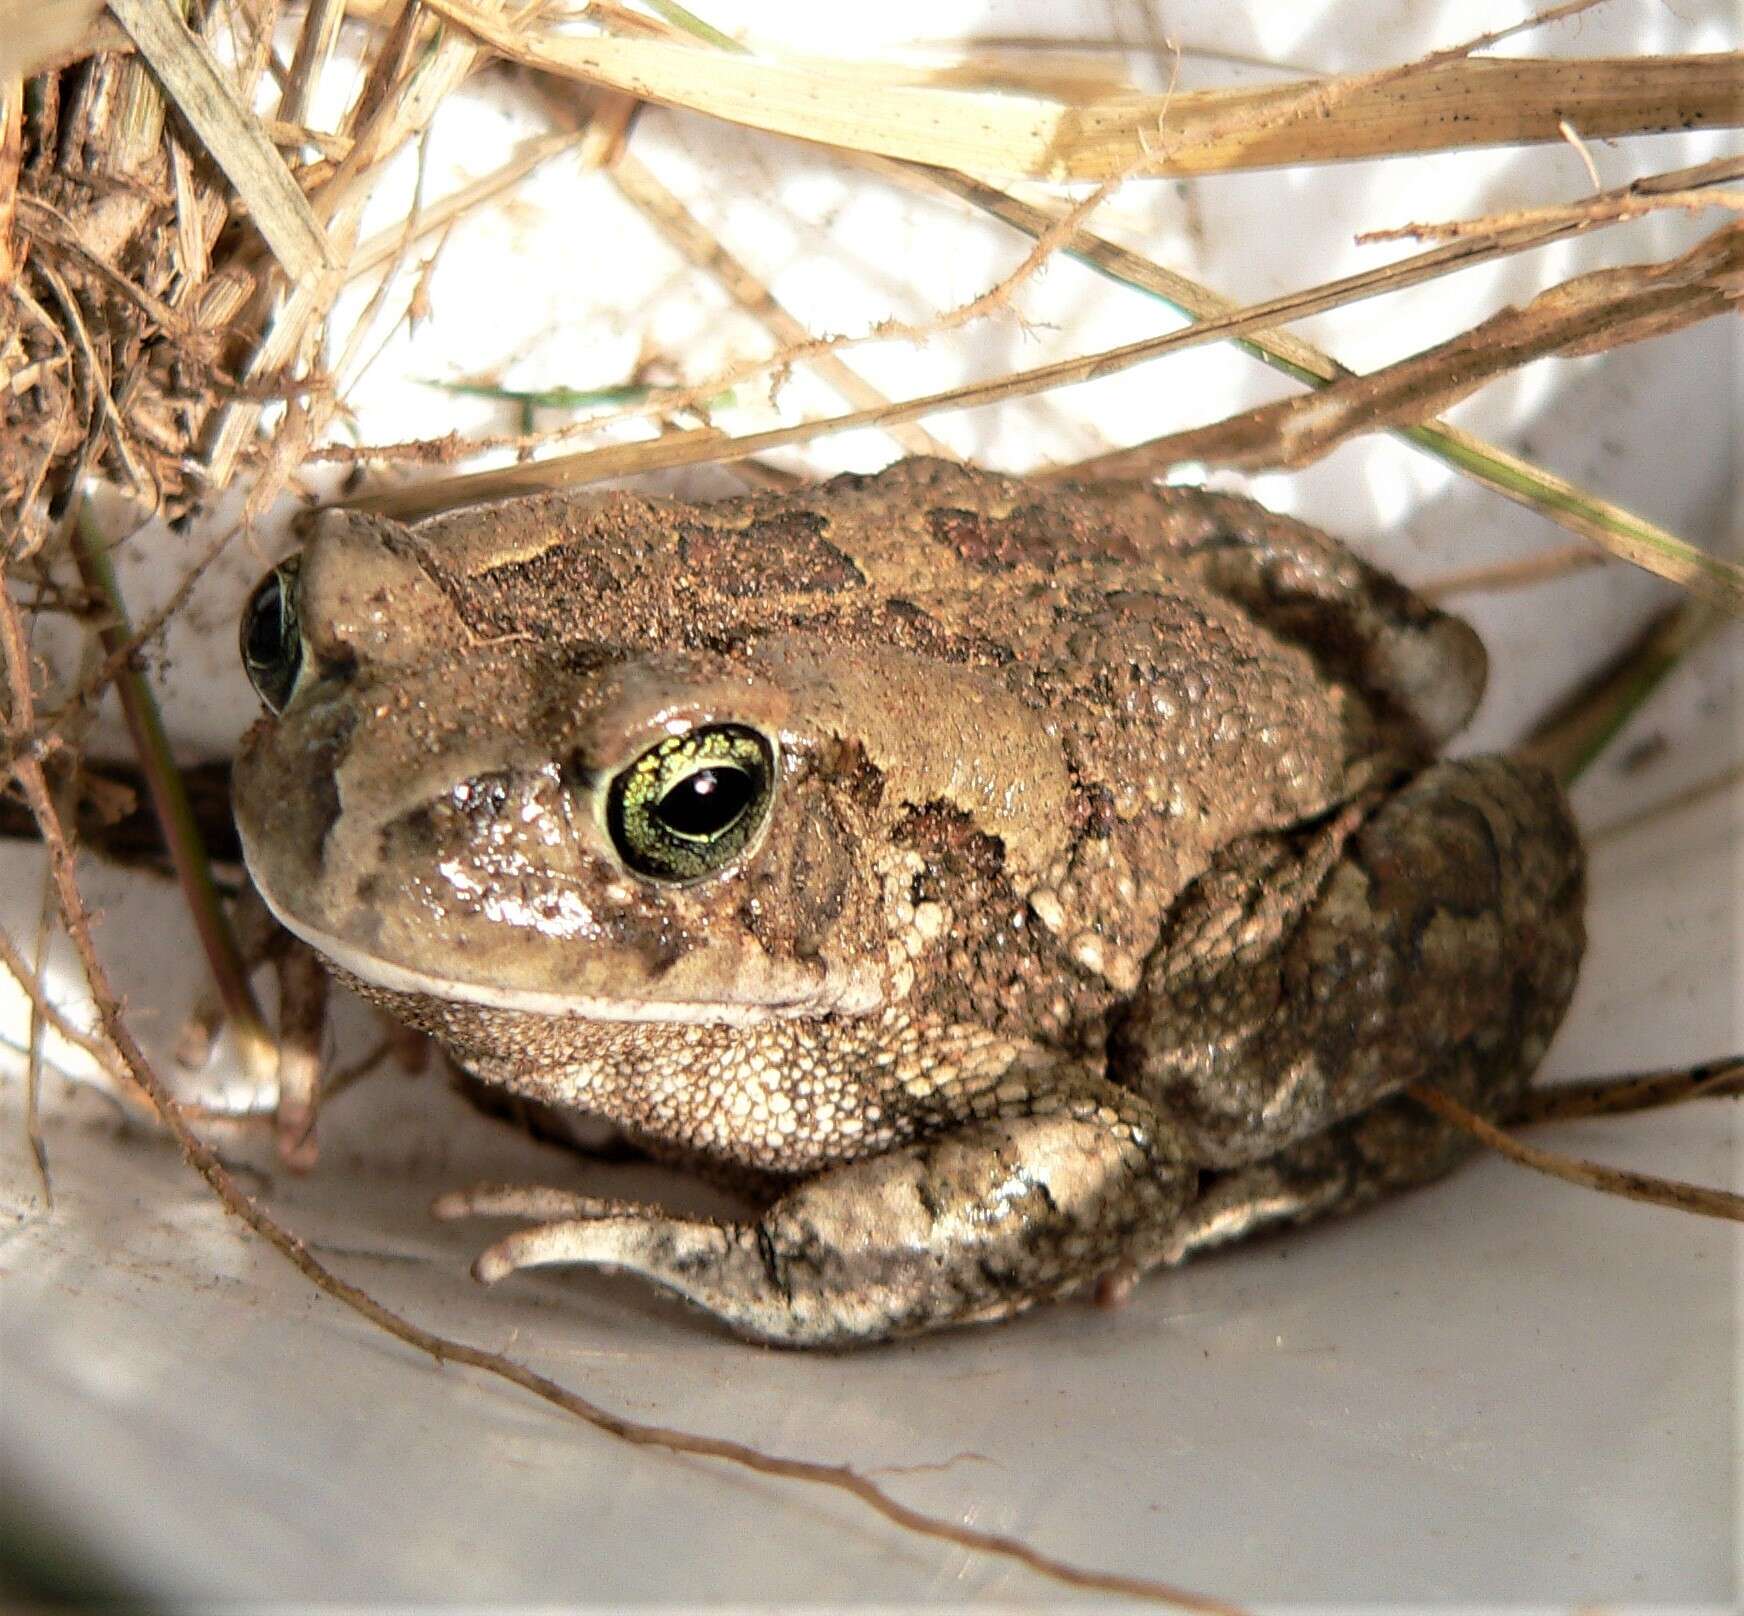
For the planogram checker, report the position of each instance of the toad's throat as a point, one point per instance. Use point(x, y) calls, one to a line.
point(856, 996)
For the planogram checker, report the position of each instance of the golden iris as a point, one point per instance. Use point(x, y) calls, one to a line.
point(691, 804)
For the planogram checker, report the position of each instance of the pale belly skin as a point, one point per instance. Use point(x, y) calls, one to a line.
point(1094, 891)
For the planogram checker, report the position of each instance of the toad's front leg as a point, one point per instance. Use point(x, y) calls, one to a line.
point(974, 1224)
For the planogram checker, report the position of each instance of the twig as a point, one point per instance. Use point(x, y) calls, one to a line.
point(1642, 1091)
point(1675, 803)
point(30, 984)
point(1569, 738)
point(1610, 208)
point(1667, 1192)
point(33, 1061)
point(1528, 570)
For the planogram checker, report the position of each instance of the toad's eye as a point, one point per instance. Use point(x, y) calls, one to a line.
point(691, 804)
point(272, 644)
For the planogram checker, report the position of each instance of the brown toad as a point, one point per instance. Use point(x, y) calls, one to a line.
point(1025, 884)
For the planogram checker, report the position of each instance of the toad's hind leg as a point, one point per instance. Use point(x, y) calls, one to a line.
point(974, 1224)
point(1307, 977)
point(1395, 1146)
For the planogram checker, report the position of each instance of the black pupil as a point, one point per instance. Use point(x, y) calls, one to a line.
point(272, 649)
point(706, 802)
point(266, 624)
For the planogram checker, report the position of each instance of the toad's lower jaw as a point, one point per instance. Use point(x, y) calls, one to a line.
point(858, 995)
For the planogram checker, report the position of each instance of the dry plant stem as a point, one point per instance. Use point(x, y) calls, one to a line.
point(21, 720)
point(1667, 1192)
point(1643, 1091)
point(30, 984)
point(118, 660)
point(11, 155)
point(379, 249)
point(314, 49)
point(663, 403)
point(33, 1059)
point(1441, 103)
point(675, 222)
point(1711, 576)
point(1521, 574)
point(689, 236)
point(169, 801)
point(1591, 313)
point(1619, 532)
point(361, 327)
point(1569, 738)
point(839, 1477)
point(201, 89)
point(93, 378)
point(1283, 350)
point(399, 106)
point(1594, 211)
point(1610, 526)
point(1702, 791)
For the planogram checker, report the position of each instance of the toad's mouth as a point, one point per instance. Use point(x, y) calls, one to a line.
point(806, 999)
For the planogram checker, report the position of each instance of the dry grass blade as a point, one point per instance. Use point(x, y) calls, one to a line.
point(668, 215)
point(1666, 1192)
point(1608, 525)
point(202, 92)
point(898, 113)
point(381, 248)
point(314, 49)
point(400, 104)
point(1603, 309)
point(11, 160)
point(1588, 314)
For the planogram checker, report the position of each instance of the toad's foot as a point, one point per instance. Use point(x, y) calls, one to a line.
point(972, 1226)
point(528, 1201)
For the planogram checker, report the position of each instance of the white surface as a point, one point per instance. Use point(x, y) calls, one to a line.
point(1499, 1391)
